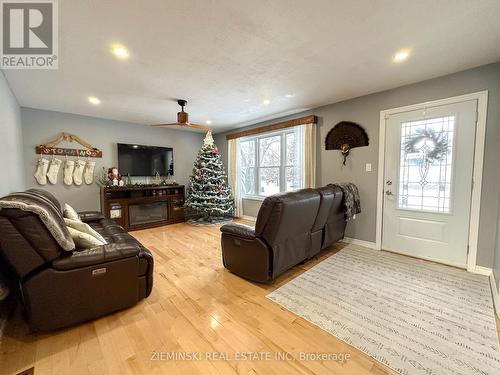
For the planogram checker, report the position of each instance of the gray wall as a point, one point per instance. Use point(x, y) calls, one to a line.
point(366, 111)
point(496, 263)
point(40, 126)
point(11, 155)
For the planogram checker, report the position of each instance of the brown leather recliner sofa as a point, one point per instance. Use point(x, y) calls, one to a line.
point(61, 288)
point(290, 228)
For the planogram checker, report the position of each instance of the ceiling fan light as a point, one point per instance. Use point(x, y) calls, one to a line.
point(182, 117)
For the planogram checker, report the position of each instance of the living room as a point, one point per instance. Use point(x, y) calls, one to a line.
point(250, 187)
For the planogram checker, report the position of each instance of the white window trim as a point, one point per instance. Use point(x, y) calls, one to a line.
point(255, 138)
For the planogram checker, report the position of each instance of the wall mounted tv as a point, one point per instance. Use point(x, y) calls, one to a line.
point(139, 160)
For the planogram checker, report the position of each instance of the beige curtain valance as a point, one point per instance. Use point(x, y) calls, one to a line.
point(273, 127)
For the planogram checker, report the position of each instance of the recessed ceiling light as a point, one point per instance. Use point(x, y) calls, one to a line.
point(266, 102)
point(208, 122)
point(94, 100)
point(289, 95)
point(120, 51)
point(135, 146)
point(401, 55)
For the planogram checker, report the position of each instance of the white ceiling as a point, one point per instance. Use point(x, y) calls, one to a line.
point(227, 56)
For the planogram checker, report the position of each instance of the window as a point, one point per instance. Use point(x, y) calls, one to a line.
point(271, 163)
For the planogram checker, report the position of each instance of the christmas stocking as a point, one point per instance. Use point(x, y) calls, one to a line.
point(69, 166)
point(78, 172)
point(55, 164)
point(41, 171)
point(89, 172)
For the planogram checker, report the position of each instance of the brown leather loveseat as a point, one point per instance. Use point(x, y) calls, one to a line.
point(61, 288)
point(290, 228)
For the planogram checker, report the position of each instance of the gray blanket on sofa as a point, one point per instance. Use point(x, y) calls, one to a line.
point(47, 212)
point(352, 203)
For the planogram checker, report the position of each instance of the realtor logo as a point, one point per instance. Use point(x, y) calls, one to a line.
point(29, 34)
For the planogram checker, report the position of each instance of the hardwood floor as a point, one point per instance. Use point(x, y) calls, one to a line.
point(196, 307)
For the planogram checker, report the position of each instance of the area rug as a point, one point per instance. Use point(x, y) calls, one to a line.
point(413, 316)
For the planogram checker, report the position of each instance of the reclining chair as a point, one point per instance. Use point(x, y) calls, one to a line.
point(61, 288)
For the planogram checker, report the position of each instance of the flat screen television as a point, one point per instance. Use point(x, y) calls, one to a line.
point(140, 160)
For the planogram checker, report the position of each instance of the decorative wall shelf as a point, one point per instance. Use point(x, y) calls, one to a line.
point(50, 148)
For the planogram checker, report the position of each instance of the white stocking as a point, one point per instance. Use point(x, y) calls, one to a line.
point(78, 172)
point(69, 166)
point(41, 171)
point(89, 172)
point(53, 172)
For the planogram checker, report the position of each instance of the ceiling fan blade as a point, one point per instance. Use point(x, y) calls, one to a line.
point(198, 126)
point(165, 125)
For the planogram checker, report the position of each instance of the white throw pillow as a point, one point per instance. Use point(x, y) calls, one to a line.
point(85, 228)
point(84, 240)
point(70, 213)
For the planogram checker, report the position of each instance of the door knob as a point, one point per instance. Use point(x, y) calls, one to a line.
point(389, 182)
point(388, 192)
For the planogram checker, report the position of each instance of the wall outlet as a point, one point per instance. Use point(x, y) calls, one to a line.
point(368, 167)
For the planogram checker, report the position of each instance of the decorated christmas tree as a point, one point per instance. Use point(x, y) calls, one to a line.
point(209, 195)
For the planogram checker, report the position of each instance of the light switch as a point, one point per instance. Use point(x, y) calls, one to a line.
point(368, 167)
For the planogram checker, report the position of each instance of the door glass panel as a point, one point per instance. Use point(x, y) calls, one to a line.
point(425, 178)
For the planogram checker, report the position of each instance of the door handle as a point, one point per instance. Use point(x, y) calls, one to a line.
point(389, 182)
point(388, 192)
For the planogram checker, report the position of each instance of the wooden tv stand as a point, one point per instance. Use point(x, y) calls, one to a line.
point(141, 207)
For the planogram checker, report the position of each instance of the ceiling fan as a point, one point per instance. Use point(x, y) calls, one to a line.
point(182, 119)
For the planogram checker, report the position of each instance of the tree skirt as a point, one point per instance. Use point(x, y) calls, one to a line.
point(212, 221)
point(414, 316)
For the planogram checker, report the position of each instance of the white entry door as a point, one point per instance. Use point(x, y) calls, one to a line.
point(429, 157)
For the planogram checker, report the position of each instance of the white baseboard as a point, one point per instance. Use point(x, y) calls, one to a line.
point(495, 293)
point(354, 241)
point(480, 270)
